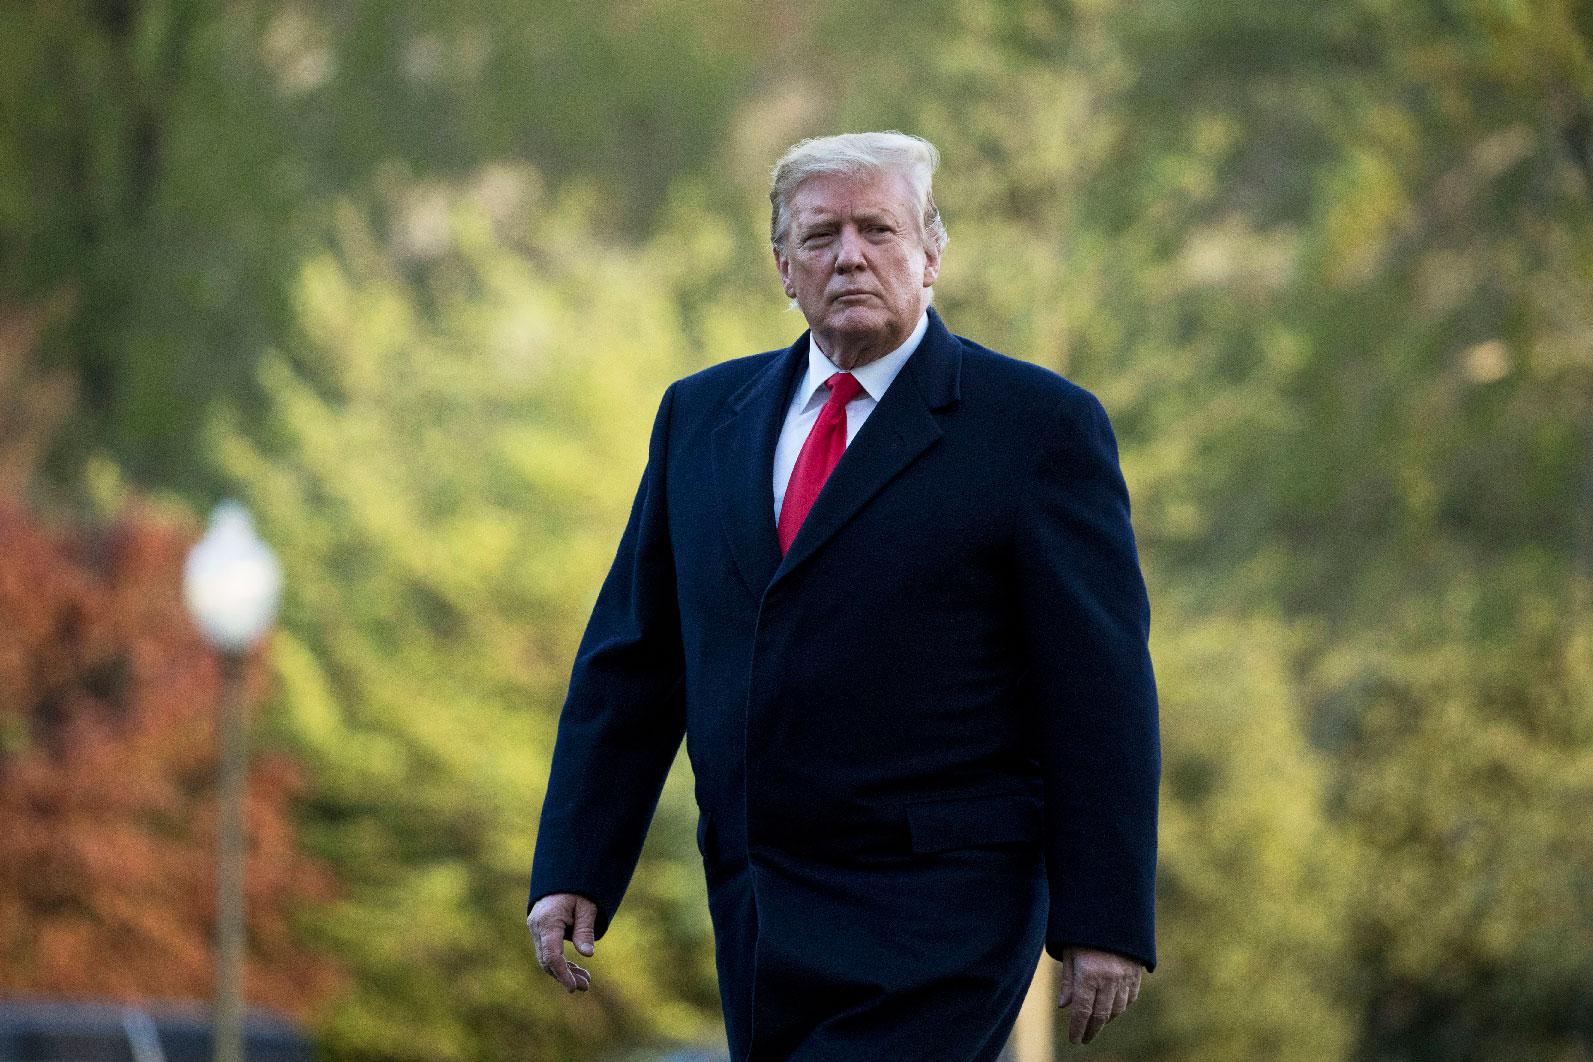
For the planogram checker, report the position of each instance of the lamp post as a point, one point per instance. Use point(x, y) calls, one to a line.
point(231, 584)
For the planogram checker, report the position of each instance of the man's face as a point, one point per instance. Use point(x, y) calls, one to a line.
point(855, 261)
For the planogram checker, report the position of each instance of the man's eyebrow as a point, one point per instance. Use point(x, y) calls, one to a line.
point(820, 218)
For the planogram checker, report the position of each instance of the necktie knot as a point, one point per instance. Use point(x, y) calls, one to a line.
point(843, 388)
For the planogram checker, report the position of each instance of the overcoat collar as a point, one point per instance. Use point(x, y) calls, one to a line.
point(900, 428)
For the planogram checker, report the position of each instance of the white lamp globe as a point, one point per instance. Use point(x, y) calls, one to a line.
point(232, 581)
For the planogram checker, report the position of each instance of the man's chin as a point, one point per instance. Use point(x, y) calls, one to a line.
point(851, 340)
point(857, 322)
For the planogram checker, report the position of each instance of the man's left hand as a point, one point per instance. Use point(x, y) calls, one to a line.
point(1099, 985)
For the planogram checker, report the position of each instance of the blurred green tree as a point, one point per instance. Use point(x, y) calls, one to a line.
point(451, 481)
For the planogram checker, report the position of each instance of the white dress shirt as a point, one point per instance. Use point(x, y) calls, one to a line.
point(811, 394)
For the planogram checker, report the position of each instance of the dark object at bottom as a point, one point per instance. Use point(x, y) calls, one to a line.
point(71, 1031)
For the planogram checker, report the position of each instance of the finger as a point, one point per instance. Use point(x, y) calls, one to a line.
point(1066, 996)
point(1120, 1001)
point(537, 923)
point(1101, 1012)
point(1133, 995)
point(560, 969)
point(536, 940)
point(585, 926)
point(583, 979)
point(1083, 1006)
point(552, 947)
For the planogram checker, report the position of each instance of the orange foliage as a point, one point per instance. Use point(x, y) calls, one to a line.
point(107, 780)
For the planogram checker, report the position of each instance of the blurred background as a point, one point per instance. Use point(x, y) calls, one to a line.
point(409, 279)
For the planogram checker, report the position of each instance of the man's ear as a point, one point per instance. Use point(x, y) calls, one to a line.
point(783, 264)
point(931, 266)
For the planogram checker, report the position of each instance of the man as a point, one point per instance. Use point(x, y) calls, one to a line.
point(885, 584)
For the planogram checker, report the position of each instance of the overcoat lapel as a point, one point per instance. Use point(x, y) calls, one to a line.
point(900, 428)
point(744, 445)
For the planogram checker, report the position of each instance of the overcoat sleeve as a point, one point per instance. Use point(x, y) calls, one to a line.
point(1086, 621)
point(624, 715)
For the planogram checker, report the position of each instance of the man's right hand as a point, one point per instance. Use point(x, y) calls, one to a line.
point(549, 918)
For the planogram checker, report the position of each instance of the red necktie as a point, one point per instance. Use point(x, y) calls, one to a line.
point(820, 452)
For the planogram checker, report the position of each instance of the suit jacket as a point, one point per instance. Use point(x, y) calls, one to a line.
point(925, 740)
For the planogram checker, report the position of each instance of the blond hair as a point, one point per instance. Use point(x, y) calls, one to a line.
point(858, 153)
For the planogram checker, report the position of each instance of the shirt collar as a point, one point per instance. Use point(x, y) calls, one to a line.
point(874, 377)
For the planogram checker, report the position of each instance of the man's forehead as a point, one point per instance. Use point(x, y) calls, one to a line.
point(833, 193)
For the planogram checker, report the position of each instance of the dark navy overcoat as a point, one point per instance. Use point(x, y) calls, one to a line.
point(925, 740)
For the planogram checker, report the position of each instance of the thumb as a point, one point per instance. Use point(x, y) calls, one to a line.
point(585, 925)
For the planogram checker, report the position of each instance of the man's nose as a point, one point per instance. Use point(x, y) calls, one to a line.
point(849, 255)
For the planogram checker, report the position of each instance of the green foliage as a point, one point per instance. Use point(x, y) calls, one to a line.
point(1256, 887)
point(451, 481)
